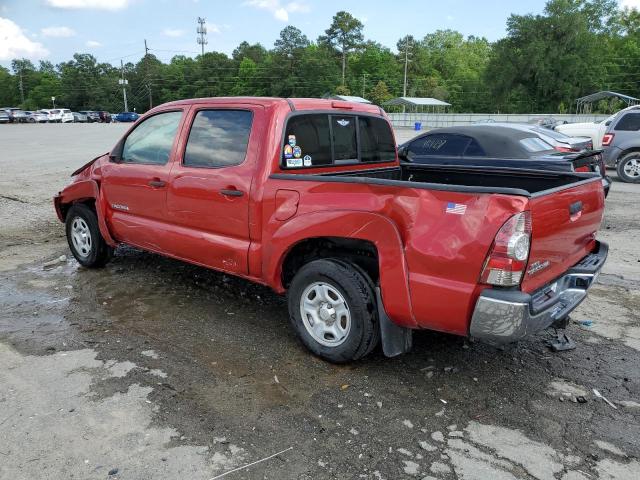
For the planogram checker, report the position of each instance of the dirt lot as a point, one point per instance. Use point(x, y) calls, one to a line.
point(152, 368)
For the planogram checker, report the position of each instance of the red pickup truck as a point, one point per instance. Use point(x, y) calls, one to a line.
point(308, 197)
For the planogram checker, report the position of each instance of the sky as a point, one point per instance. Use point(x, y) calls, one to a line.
point(112, 30)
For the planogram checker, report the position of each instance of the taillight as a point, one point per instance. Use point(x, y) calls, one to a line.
point(583, 169)
point(565, 149)
point(507, 260)
point(607, 139)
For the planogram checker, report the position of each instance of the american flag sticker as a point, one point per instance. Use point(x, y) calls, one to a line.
point(456, 208)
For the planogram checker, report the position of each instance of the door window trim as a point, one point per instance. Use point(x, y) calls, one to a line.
point(347, 113)
point(194, 113)
point(120, 146)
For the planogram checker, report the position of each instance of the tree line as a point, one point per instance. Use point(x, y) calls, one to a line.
point(545, 62)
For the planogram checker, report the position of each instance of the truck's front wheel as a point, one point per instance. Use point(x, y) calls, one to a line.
point(84, 238)
point(332, 308)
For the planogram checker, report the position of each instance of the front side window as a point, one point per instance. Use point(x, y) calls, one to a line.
point(629, 123)
point(218, 138)
point(439, 144)
point(152, 140)
point(320, 139)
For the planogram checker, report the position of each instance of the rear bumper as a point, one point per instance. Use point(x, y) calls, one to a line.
point(504, 316)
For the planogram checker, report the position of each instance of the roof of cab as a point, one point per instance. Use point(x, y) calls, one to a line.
point(293, 103)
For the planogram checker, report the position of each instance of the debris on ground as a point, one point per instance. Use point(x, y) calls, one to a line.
point(599, 395)
point(55, 262)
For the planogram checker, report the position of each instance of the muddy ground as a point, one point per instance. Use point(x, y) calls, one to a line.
point(151, 368)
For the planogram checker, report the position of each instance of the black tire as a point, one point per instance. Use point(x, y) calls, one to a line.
point(351, 283)
point(96, 253)
point(628, 162)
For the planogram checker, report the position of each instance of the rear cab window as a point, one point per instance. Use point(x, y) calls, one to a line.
point(326, 139)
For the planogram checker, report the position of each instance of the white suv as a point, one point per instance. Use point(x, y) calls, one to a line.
point(53, 115)
point(66, 115)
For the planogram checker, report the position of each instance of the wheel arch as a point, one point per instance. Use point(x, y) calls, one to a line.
point(86, 192)
point(369, 240)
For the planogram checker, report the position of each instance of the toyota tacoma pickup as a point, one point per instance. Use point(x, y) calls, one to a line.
point(308, 197)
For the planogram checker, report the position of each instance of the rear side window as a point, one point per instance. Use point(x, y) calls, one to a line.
point(474, 149)
point(439, 144)
point(325, 139)
point(535, 145)
point(218, 138)
point(629, 123)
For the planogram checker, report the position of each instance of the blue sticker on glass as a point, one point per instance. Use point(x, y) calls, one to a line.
point(297, 151)
point(292, 140)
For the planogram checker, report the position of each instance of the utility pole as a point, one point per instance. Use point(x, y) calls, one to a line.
point(21, 86)
point(146, 66)
point(364, 83)
point(202, 32)
point(406, 66)
point(124, 84)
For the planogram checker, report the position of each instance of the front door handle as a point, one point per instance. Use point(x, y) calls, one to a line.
point(231, 192)
point(157, 183)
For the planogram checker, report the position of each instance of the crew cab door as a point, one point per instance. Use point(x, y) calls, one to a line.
point(134, 183)
point(209, 194)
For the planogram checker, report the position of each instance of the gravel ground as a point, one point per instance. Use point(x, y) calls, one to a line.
point(153, 368)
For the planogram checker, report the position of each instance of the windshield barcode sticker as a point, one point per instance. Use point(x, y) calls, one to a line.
point(456, 208)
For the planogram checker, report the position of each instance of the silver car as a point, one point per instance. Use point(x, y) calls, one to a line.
point(621, 144)
point(36, 117)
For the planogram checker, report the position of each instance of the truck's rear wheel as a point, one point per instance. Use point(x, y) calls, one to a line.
point(629, 168)
point(332, 308)
point(84, 238)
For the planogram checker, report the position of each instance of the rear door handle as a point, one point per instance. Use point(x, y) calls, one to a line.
point(157, 183)
point(231, 192)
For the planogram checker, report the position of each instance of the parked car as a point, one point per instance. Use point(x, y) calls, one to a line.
point(36, 117)
point(546, 122)
point(4, 117)
point(105, 117)
point(91, 115)
point(127, 117)
point(498, 146)
point(593, 130)
point(66, 115)
point(621, 143)
point(79, 117)
point(54, 115)
point(16, 115)
point(559, 141)
point(308, 197)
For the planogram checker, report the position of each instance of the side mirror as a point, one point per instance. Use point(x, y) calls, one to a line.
point(115, 155)
point(403, 152)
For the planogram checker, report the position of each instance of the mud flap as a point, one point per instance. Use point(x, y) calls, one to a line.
point(396, 340)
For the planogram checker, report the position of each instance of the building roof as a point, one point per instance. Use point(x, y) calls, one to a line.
point(417, 102)
point(350, 98)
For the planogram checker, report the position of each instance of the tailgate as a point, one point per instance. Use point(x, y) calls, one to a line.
point(564, 224)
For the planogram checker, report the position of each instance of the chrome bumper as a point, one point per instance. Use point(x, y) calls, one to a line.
point(503, 316)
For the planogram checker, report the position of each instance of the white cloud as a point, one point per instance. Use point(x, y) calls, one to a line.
point(172, 32)
point(14, 43)
point(58, 32)
point(93, 4)
point(93, 44)
point(630, 4)
point(279, 10)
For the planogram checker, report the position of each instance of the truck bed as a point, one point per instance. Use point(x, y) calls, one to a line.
point(528, 183)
